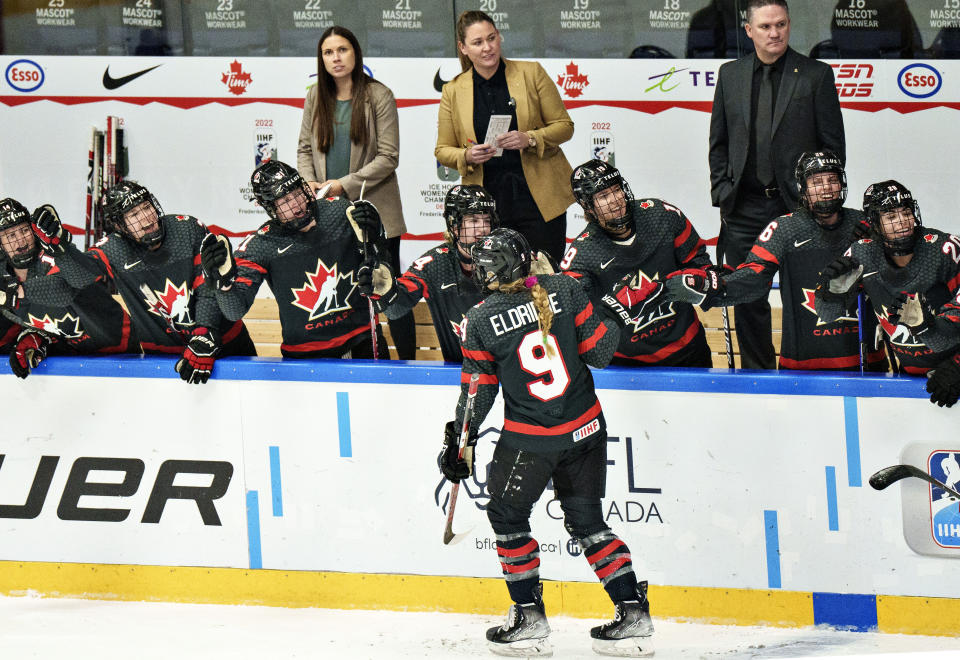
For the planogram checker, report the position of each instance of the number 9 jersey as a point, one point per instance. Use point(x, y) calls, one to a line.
point(549, 399)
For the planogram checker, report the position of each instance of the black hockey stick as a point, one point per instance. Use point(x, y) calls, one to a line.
point(448, 535)
point(724, 314)
point(863, 343)
point(888, 475)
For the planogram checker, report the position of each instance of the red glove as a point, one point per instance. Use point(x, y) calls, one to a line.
point(198, 357)
point(28, 352)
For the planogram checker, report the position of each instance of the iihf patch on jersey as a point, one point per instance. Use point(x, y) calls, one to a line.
point(326, 291)
point(586, 430)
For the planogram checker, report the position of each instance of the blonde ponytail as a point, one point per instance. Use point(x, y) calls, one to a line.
point(541, 302)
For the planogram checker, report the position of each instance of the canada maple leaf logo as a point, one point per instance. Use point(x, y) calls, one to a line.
point(172, 304)
point(321, 293)
point(67, 326)
point(573, 82)
point(808, 304)
point(236, 79)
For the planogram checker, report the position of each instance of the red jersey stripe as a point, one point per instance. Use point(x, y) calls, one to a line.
point(683, 236)
point(582, 317)
point(669, 349)
point(310, 346)
point(591, 341)
point(423, 284)
point(485, 379)
point(478, 355)
point(98, 253)
point(252, 265)
point(560, 429)
point(764, 254)
point(844, 362)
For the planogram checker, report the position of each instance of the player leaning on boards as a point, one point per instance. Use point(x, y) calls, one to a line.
point(799, 245)
point(154, 261)
point(53, 312)
point(535, 336)
point(908, 272)
point(645, 238)
point(443, 275)
point(308, 253)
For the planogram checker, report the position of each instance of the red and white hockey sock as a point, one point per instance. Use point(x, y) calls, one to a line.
point(609, 557)
point(519, 555)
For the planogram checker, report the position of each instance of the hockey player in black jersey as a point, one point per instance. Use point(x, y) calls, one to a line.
point(798, 245)
point(534, 336)
point(647, 238)
point(907, 273)
point(443, 274)
point(309, 254)
point(54, 315)
point(154, 261)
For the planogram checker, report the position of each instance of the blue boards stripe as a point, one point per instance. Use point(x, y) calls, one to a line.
point(832, 499)
point(853, 441)
point(772, 534)
point(343, 422)
point(253, 529)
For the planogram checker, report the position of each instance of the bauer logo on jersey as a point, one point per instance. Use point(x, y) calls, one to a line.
point(601, 147)
point(944, 509)
point(67, 326)
point(326, 291)
point(172, 304)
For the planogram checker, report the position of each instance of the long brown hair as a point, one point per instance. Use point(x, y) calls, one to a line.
point(327, 94)
point(465, 20)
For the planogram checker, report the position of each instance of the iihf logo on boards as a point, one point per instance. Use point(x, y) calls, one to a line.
point(944, 509)
point(601, 144)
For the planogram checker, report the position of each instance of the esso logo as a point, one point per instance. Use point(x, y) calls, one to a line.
point(24, 75)
point(920, 81)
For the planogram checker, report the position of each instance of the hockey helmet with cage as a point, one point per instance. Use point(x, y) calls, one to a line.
point(274, 180)
point(818, 162)
point(464, 200)
point(13, 213)
point(504, 256)
point(593, 177)
point(886, 196)
point(123, 198)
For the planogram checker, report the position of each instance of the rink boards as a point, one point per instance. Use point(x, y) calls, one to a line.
point(743, 496)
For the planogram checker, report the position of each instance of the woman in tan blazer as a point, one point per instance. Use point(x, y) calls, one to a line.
point(349, 137)
point(531, 180)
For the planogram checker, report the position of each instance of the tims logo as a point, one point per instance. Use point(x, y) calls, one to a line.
point(572, 82)
point(323, 292)
point(236, 79)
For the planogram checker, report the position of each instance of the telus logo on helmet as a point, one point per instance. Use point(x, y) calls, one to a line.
point(78, 486)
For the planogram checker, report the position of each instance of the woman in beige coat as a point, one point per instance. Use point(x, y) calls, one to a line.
point(350, 140)
point(531, 179)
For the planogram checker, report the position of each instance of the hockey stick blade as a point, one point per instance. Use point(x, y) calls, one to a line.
point(889, 475)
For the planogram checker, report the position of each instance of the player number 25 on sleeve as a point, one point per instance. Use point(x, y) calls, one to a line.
point(534, 360)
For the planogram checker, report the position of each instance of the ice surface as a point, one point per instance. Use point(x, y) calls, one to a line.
point(35, 627)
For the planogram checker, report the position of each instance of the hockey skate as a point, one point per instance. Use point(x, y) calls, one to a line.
point(524, 633)
point(630, 634)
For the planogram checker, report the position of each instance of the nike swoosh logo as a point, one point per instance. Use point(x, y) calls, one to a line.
point(447, 286)
point(799, 243)
point(282, 250)
point(439, 82)
point(129, 266)
point(603, 266)
point(112, 83)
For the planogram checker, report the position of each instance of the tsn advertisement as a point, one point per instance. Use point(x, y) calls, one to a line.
point(715, 481)
point(195, 127)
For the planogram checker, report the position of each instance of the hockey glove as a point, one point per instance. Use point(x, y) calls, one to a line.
point(365, 220)
point(627, 301)
point(198, 357)
point(862, 230)
point(29, 350)
point(838, 279)
point(49, 230)
point(216, 261)
point(913, 312)
point(944, 382)
point(696, 286)
point(375, 280)
point(453, 466)
point(9, 289)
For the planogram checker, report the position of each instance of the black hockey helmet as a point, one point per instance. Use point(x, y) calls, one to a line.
point(13, 213)
point(503, 256)
point(467, 200)
point(889, 196)
point(271, 182)
point(817, 162)
point(124, 197)
point(593, 177)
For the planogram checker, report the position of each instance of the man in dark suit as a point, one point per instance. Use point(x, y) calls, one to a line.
point(768, 108)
